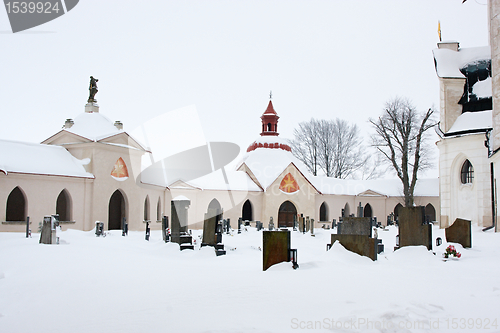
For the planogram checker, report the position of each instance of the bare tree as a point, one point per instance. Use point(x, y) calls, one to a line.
point(305, 144)
point(400, 137)
point(334, 146)
point(373, 168)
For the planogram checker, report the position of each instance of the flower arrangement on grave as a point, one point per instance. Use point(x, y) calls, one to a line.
point(451, 251)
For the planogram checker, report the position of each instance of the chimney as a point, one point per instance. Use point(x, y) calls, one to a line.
point(119, 125)
point(450, 45)
point(68, 123)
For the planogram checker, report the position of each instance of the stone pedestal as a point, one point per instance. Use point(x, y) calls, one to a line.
point(91, 108)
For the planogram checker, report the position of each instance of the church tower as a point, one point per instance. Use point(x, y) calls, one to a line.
point(269, 121)
point(269, 135)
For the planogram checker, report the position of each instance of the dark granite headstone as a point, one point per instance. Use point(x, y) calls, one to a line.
point(99, 228)
point(459, 232)
point(355, 226)
point(179, 234)
point(164, 229)
point(275, 248)
point(209, 226)
point(360, 244)
point(412, 227)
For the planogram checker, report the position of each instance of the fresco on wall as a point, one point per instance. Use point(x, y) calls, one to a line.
point(120, 171)
point(289, 184)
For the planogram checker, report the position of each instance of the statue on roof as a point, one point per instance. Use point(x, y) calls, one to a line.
point(93, 90)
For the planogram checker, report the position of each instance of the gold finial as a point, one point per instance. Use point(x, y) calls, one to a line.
point(439, 31)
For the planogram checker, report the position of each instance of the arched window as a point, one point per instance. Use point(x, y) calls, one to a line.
point(347, 210)
point(323, 212)
point(214, 209)
point(430, 212)
point(63, 206)
point(396, 209)
point(247, 214)
point(16, 206)
point(367, 212)
point(158, 210)
point(146, 208)
point(467, 173)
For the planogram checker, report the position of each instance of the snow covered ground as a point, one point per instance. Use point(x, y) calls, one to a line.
point(126, 284)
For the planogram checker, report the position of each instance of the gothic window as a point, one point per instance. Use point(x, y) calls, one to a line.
point(467, 173)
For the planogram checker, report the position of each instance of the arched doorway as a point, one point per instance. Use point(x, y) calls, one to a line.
point(323, 212)
point(116, 210)
point(367, 212)
point(286, 213)
point(214, 209)
point(16, 206)
point(246, 213)
point(347, 210)
point(63, 206)
point(430, 212)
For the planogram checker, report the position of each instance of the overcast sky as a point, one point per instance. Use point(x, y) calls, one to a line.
point(321, 59)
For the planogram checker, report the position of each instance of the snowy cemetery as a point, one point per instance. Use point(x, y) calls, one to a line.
point(409, 276)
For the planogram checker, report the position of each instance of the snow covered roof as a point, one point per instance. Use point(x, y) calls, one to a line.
point(34, 158)
point(93, 126)
point(449, 62)
point(388, 187)
point(268, 164)
point(469, 122)
point(237, 181)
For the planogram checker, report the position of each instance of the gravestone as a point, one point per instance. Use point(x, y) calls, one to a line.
point(179, 234)
point(301, 223)
point(124, 227)
point(164, 229)
point(271, 224)
point(360, 244)
point(48, 233)
point(360, 210)
point(355, 226)
point(459, 232)
point(239, 225)
point(148, 231)
point(276, 248)
point(258, 224)
point(209, 226)
point(212, 234)
point(295, 223)
point(413, 230)
point(307, 226)
point(99, 228)
point(28, 230)
point(312, 227)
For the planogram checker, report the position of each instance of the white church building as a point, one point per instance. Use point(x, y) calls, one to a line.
point(469, 128)
point(91, 171)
